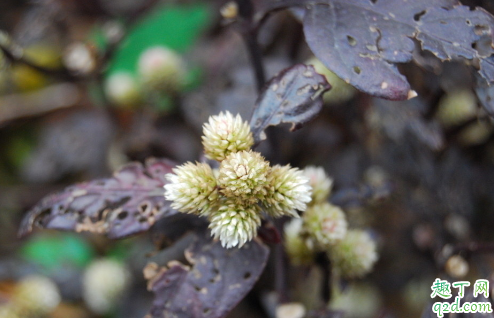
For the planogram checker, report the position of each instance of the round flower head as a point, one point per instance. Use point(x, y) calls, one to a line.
point(104, 283)
point(235, 224)
point(224, 134)
point(162, 69)
point(325, 223)
point(288, 190)
point(321, 184)
point(243, 175)
point(122, 89)
point(192, 188)
point(299, 249)
point(36, 295)
point(355, 255)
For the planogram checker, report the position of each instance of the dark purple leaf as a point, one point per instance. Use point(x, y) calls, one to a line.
point(217, 280)
point(399, 123)
point(130, 202)
point(361, 40)
point(485, 94)
point(293, 96)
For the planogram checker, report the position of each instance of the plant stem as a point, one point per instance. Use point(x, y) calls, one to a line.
point(280, 268)
point(255, 54)
point(325, 263)
point(248, 28)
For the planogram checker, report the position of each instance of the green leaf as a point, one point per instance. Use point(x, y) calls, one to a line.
point(54, 250)
point(174, 26)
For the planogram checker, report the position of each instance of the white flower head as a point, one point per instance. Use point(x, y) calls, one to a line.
point(104, 282)
point(300, 249)
point(122, 89)
point(162, 69)
point(224, 134)
point(355, 255)
point(192, 188)
point(243, 175)
point(320, 182)
point(235, 224)
point(288, 190)
point(36, 295)
point(325, 223)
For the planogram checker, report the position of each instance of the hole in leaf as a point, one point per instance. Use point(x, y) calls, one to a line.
point(197, 288)
point(142, 219)
point(373, 1)
point(143, 207)
point(468, 22)
point(206, 310)
point(419, 15)
point(474, 45)
point(481, 29)
point(122, 215)
point(357, 69)
point(247, 275)
point(351, 40)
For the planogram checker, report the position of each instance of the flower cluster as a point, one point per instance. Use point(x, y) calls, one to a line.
point(160, 73)
point(324, 228)
point(234, 196)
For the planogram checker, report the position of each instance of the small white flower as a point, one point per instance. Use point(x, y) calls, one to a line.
point(288, 190)
point(355, 255)
point(162, 69)
point(192, 188)
point(320, 182)
point(325, 223)
point(224, 134)
point(104, 282)
point(299, 249)
point(122, 89)
point(235, 224)
point(242, 176)
point(36, 295)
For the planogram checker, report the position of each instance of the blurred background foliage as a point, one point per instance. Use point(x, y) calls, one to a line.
point(418, 172)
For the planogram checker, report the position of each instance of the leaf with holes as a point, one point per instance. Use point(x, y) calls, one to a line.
point(216, 281)
point(361, 40)
point(130, 202)
point(293, 96)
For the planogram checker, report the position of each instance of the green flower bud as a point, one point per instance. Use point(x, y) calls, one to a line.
point(325, 224)
point(355, 255)
point(321, 184)
point(192, 188)
point(243, 175)
point(224, 134)
point(235, 224)
point(104, 283)
point(162, 69)
point(300, 250)
point(288, 190)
